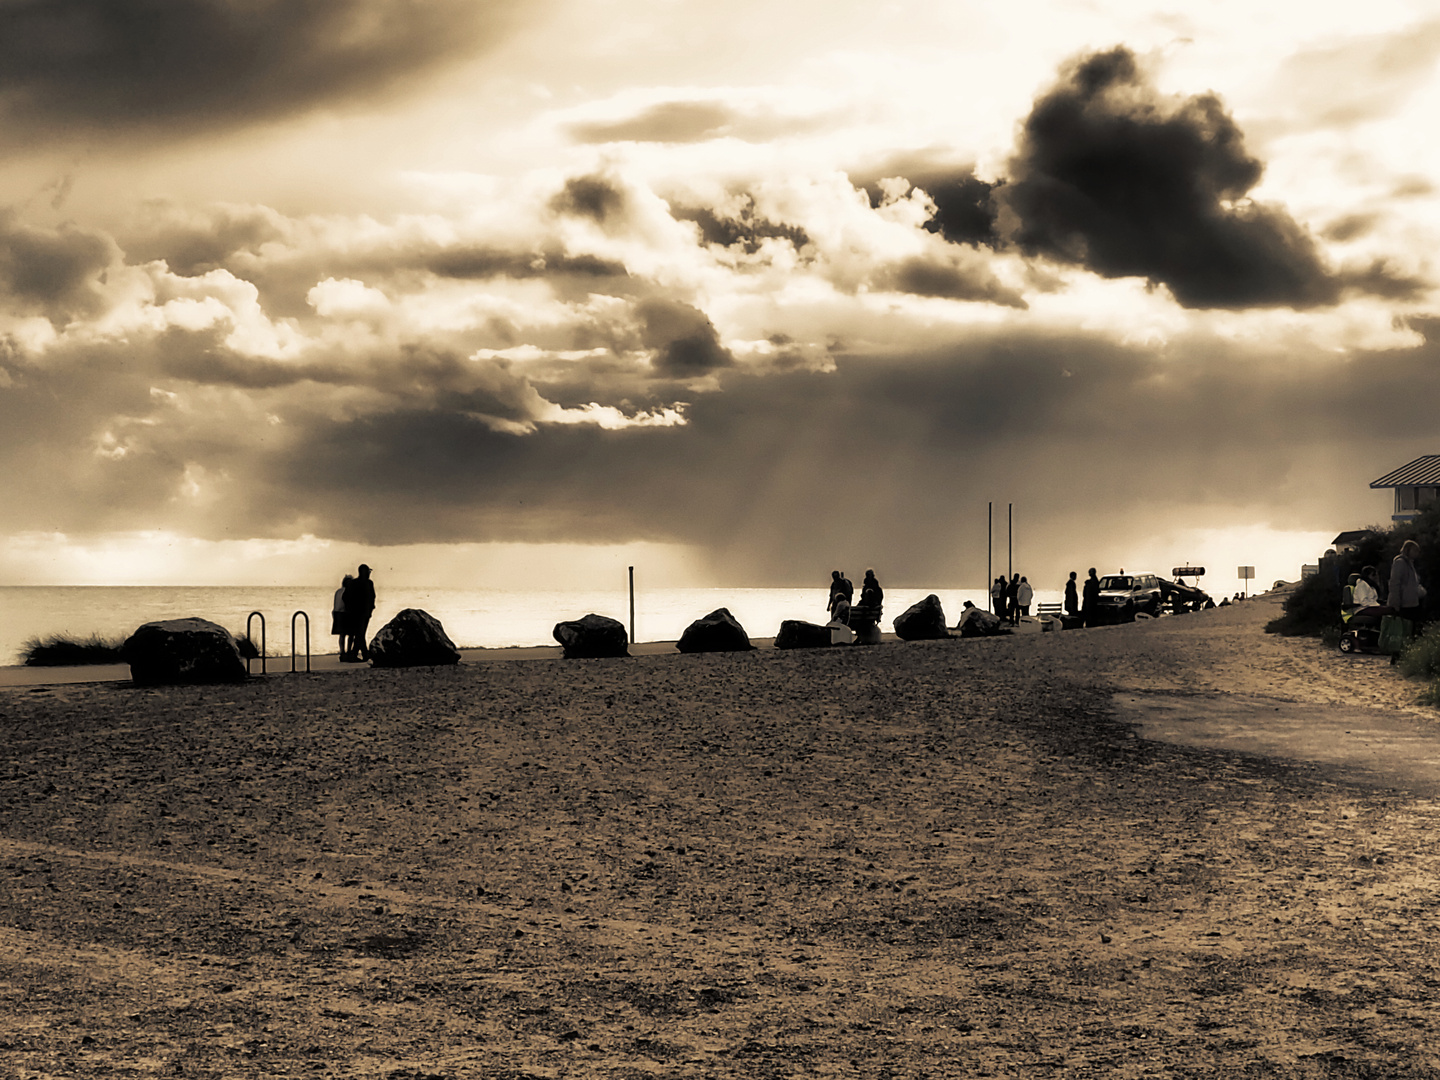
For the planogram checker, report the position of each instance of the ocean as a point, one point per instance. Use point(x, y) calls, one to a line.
point(473, 618)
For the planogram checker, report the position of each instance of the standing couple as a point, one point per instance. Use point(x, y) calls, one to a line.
point(350, 615)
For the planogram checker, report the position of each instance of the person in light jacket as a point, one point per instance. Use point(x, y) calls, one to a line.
point(1023, 595)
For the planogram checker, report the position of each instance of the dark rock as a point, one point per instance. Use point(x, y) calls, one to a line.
point(798, 634)
point(175, 651)
point(717, 632)
point(924, 621)
point(414, 638)
point(591, 637)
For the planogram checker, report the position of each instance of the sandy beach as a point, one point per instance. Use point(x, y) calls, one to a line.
point(1173, 848)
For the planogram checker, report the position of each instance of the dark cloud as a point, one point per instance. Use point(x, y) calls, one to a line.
point(118, 65)
point(478, 263)
point(196, 242)
point(683, 337)
point(593, 197)
point(1114, 176)
point(965, 205)
point(891, 464)
point(936, 275)
point(886, 461)
point(54, 272)
point(743, 228)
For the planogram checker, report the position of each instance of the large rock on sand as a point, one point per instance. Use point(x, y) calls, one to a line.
point(798, 634)
point(591, 637)
point(414, 638)
point(924, 621)
point(717, 632)
point(176, 651)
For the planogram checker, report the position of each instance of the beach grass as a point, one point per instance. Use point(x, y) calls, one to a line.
point(66, 650)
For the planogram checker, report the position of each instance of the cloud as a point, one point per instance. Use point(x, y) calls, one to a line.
point(100, 66)
point(683, 338)
point(594, 197)
point(691, 121)
point(666, 121)
point(53, 272)
point(1093, 441)
point(965, 205)
point(1362, 79)
point(194, 241)
point(739, 225)
point(1116, 177)
point(948, 275)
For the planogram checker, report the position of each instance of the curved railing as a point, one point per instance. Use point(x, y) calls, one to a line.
point(306, 616)
point(249, 621)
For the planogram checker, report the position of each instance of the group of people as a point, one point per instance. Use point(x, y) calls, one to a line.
point(842, 606)
point(1403, 597)
point(1011, 599)
point(350, 615)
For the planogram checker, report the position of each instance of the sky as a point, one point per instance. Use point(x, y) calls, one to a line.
point(519, 294)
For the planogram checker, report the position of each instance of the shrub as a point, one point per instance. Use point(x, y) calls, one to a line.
point(1314, 606)
point(62, 650)
point(1421, 658)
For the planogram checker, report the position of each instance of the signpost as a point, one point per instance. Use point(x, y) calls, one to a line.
point(1246, 574)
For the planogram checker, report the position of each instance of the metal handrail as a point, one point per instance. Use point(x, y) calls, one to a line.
point(249, 619)
point(306, 616)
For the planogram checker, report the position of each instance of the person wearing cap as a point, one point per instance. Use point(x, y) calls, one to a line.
point(359, 606)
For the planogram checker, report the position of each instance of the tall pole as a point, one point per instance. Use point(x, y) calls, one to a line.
point(989, 532)
point(632, 605)
point(1010, 540)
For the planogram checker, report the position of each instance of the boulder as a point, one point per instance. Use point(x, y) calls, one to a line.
point(591, 637)
point(414, 638)
point(175, 651)
point(924, 621)
point(798, 634)
point(717, 632)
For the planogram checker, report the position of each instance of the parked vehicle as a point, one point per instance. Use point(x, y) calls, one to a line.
point(1123, 596)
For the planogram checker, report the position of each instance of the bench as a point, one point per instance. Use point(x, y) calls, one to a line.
point(1050, 609)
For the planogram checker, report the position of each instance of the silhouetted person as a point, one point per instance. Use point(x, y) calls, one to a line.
point(1089, 607)
point(1406, 592)
point(359, 606)
point(1072, 596)
point(1023, 595)
point(997, 596)
point(871, 596)
point(339, 620)
point(839, 587)
point(1012, 600)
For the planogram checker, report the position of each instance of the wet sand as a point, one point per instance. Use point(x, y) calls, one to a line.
point(925, 859)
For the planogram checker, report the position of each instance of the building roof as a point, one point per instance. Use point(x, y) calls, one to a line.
point(1352, 536)
point(1422, 472)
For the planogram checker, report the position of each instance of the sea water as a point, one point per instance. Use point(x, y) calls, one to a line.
point(473, 618)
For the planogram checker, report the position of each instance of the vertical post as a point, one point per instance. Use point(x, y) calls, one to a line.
point(989, 532)
point(632, 605)
point(1010, 540)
